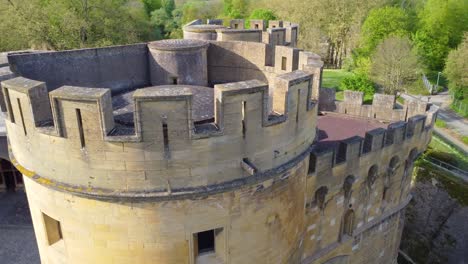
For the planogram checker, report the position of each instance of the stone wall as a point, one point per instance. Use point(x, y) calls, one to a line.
point(278, 32)
point(145, 161)
point(255, 221)
point(382, 108)
point(118, 68)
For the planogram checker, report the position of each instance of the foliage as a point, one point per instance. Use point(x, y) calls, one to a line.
point(394, 65)
point(264, 14)
point(440, 28)
point(192, 10)
point(235, 8)
point(65, 24)
point(417, 88)
point(456, 70)
point(465, 140)
point(381, 23)
point(359, 82)
point(151, 5)
point(461, 107)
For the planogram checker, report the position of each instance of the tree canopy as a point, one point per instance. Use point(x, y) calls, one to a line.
point(394, 65)
point(456, 70)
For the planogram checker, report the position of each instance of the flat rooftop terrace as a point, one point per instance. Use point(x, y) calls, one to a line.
point(336, 127)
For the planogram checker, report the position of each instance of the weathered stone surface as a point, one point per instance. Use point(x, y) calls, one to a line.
point(255, 174)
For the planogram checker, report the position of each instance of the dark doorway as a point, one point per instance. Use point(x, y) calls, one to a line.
point(206, 242)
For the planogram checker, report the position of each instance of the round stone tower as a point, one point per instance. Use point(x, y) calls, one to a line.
point(178, 61)
point(200, 152)
point(178, 173)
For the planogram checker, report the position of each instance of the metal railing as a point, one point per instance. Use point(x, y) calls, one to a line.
point(429, 86)
point(448, 167)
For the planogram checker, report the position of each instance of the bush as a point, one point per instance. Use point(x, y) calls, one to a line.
point(358, 82)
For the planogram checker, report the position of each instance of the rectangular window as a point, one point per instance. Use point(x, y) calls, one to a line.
point(80, 128)
point(256, 26)
point(53, 229)
point(236, 26)
point(9, 108)
point(284, 60)
point(174, 80)
point(205, 242)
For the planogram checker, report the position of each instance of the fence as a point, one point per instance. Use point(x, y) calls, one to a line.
point(430, 87)
point(448, 167)
point(460, 107)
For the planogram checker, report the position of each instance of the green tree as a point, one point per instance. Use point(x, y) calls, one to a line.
point(456, 70)
point(381, 23)
point(235, 8)
point(440, 28)
point(359, 82)
point(394, 65)
point(65, 24)
point(265, 14)
point(151, 5)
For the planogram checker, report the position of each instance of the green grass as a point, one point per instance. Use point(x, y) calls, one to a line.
point(400, 100)
point(465, 140)
point(440, 150)
point(333, 78)
point(440, 123)
point(417, 88)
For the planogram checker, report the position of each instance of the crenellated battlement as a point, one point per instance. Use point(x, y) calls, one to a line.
point(382, 107)
point(170, 143)
point(168, 147)
point(276, 33)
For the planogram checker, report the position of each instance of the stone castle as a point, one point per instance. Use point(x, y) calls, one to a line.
point(217, 148)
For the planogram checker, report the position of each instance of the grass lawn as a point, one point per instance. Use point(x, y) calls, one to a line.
point(333, 78)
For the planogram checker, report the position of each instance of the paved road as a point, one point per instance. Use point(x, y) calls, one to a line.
point(17, 240)
point(454, 121)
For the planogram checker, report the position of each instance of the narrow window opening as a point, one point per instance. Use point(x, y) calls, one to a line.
point(298, 105)
point(284, 60)
point(175, 80)
point(384, 194)
point(80, 128)
point(244, 127)
point(53, 229)
point(9, 108)
point(256, 26)
point(165, 137)
point(206, 242)
point(22, 117)
point(236, 26)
